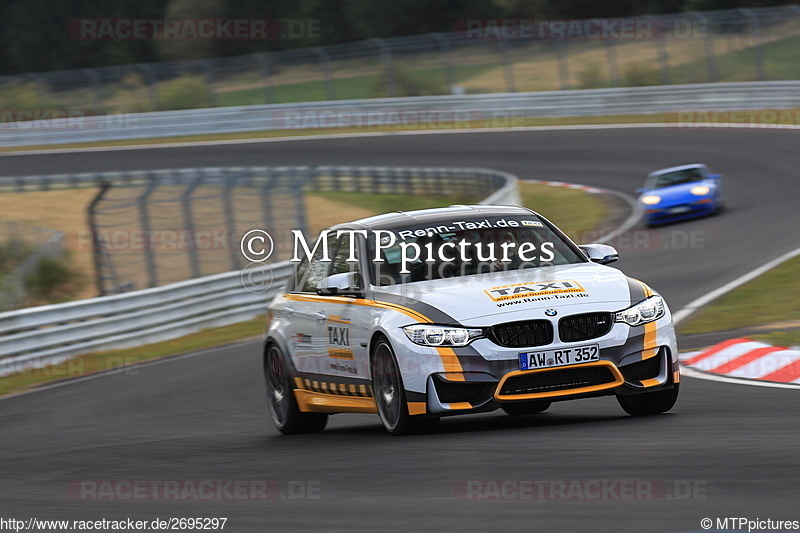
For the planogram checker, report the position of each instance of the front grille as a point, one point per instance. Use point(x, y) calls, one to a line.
point(522, 334)
point(452, 392)
point(647, 369)
point(584, 327)
point(557, 380)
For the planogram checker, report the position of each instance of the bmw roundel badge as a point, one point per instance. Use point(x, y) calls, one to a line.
point(551, 312)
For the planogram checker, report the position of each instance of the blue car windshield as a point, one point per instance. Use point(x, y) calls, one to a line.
point(678, 177)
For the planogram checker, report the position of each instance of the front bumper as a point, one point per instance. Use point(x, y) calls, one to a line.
point(664, 215)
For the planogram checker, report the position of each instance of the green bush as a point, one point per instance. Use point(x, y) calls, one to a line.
point(186, 92)
point(591, 77)
point(406, 84)
point(639, 74)
point(18, 95)
point(11, 253)
point(49, 275)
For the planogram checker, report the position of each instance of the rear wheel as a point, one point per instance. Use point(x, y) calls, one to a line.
point(280, 397)
point(649, 403)
point(390, 397)
point(525, 408)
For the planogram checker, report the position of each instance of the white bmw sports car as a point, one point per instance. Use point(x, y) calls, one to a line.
point(424, 314)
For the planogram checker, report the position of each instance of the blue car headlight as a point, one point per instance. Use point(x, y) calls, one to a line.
point(701, 190)
point(645, 311)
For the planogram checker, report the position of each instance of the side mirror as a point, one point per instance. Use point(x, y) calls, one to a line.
point(344, 284)
point(641, 191)
point(600, 253)
point(714, 176)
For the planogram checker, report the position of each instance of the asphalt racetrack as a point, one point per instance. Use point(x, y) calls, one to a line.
point(725, 450)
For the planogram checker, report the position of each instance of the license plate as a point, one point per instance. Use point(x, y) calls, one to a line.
point(677, 210)
point(558, 357)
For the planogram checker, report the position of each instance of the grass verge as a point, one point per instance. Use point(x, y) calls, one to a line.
point(584, 211)
point(770, 298)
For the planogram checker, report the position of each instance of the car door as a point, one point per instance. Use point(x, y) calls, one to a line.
point(347, 321)
point(308, 313)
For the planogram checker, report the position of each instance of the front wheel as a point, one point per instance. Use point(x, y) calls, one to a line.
point(649, 403)
point(390, 397)
point(280, 397)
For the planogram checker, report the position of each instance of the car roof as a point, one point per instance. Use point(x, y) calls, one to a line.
point(675, 169)
point(401, 219)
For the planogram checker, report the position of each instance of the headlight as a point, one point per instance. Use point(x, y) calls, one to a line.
point(432, 335)
point(700, 190)
point(651, 199)
point(645, 311)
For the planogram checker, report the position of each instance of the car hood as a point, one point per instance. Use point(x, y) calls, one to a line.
point(470, 298)
point(677, 193)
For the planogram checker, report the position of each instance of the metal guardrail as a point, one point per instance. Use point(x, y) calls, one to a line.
point(51, 334)
point(421, 112)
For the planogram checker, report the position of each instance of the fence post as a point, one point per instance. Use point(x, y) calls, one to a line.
point(508, 66)
point(152, 83)
point(188, 220)
point(206, 65)
point(713, 76)
point(447, 61)
point(144, 216)
point(563, 65)
point(94, 88)
point(264, 68)
point(266, 201)
point(755, 39)
point(325, 65)
point(663, 54)
point(98, 245)
point(611, 57)
point(388, 66)
point(230, 215)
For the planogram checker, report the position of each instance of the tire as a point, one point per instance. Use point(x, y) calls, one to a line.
point(390, 397)
point(525, 408)
point(649, 403)
point(281, 401)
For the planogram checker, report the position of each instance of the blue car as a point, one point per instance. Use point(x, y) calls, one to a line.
point(680, 193)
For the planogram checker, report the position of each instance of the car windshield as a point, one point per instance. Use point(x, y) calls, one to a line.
point(466, 247)
point(677, 177)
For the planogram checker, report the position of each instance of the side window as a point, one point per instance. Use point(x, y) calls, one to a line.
point(310, 273)
point(340, 259)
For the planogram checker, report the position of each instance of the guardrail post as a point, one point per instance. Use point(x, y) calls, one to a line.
point(144, 217)
point(263, 62)
point(388, 66)
point(755, 39)
point(713, 75)
point(447, 61)
point(152, 84)
point(508, 66)
point(325, 65)
point(188, 220)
